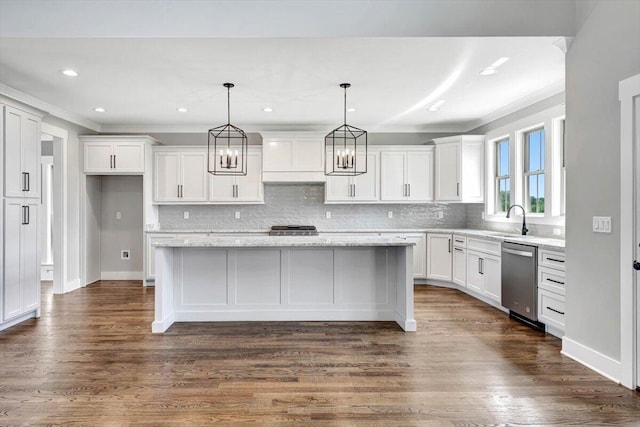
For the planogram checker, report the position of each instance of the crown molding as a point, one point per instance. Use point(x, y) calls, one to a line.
point(48, 108)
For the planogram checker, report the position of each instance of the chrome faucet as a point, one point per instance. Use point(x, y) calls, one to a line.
point(524, 218)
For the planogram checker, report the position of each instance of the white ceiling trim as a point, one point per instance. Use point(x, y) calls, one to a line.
point(542, 94)
point(51, 109)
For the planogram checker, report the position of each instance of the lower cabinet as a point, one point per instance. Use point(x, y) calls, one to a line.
point(21, 269)
point(459, 275)
point(439, 256)
point(551, 291)
point(419, 255)
point(484, 274)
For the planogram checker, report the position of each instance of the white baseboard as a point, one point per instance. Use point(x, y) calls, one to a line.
point(72, 285)
point(19, 319)
point(604, 365)
point(121, 275)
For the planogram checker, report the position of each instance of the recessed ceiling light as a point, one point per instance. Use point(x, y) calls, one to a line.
point(351, 110)
point(69, 72)
point(100, 110)
point(267, 109)
point(182, 110)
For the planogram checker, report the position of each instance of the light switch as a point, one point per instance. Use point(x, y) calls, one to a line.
point(602, 224)
point(390, 214)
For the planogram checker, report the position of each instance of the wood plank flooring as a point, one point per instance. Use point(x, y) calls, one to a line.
point(91, 360)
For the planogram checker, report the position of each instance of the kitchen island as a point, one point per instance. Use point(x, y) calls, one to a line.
point(268, 278)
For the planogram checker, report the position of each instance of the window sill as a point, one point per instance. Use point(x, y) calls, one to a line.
point(531, 219)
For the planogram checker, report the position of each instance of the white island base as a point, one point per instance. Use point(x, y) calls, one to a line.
point(284, 279)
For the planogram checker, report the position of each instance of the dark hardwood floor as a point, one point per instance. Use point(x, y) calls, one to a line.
point(92, 360)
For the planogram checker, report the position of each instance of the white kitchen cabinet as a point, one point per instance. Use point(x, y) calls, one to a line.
point(113, 155)
point(419, 254)
point(459, 169)
point(180, 176)
point(21, 153)
point(363, 188)
point(240, 188)
point(551, 291)
point(459, 271)
point(484, 274)
point(439, 256)
point(406, 175)
point(293, 157)
point(21, 267)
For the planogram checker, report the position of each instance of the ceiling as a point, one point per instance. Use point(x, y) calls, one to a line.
point(141, 82)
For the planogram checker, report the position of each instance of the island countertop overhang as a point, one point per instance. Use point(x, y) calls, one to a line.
point(281, 242)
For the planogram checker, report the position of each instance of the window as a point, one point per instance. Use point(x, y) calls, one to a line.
point(534, 170)
point(503, 178)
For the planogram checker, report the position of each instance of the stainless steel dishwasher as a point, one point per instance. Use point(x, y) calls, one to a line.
point(520, 282)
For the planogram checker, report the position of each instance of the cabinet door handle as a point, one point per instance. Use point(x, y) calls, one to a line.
point(409, 188)
point(178, 187)
point(557, 311)
point(24, 216)
point(354, 190)
point(114, 161)
point(24, 181)
point(480, 265)
point(181, 190)
point(457, 189)
point(555, 281)
point(28, 214)
point(458, 249)
point(555, 260)
point(450, 246)
point(28, 182)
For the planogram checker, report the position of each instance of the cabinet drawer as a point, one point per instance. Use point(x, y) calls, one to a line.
point(459, 241)
point(551, 259)
point(486, 246)
point(551, 279)
point(551, 309)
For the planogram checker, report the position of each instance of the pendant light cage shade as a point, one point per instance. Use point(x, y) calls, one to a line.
point(345, 148)
point(227, 146)
point(346, 151)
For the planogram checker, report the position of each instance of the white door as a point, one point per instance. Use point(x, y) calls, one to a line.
point(491, 270)
point(366, 186)
point(475, 280)
point(392, 177)
point(30, 258)
point(636, 126)
point(30, 154)
point(447, 178)
point(13, 177)
point(98, 157)
point(13, 217)
point(419, 172)
point(166, 177)
point(249, 188)
point(194, 177)
point(459, 266)
point(439, 256)
point(222, 188)
point(338, 188)
point(129, 157)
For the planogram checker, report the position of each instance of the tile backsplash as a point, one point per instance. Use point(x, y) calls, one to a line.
point(303, 204)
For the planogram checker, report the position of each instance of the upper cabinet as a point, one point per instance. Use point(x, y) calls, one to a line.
point(239, 189)
point(459, 171)
point(21, 153)
point(293, 157)
point(180, 175)
point(113, 155)
point(363, 188)
point(406, 174)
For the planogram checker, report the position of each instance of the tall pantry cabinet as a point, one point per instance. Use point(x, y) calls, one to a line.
point(19, 231)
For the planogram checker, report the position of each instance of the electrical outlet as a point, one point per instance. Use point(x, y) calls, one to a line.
point(439, 215)
point(118, 215)
point(557, 232)
point(390, 214)
point(327, 214)
point(125, 254)
point(186, 214)
point(237, 215)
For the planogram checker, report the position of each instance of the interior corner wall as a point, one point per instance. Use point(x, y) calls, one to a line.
point(604, 51)
point(93, 221)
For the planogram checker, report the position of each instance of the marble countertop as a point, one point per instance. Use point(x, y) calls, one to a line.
point(280, 241)
point(542, 242)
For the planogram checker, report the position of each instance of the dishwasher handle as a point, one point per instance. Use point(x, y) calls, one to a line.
point(518, 253)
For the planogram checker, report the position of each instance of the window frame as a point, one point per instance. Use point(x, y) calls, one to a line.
point(527, 174)
point(498, 178)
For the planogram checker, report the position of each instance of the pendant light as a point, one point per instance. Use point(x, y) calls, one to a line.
point(227, 146)
point(345, 147)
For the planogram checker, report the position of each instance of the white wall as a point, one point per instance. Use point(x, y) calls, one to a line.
point(121, 194)
point(606, 49)
point(93, 221)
